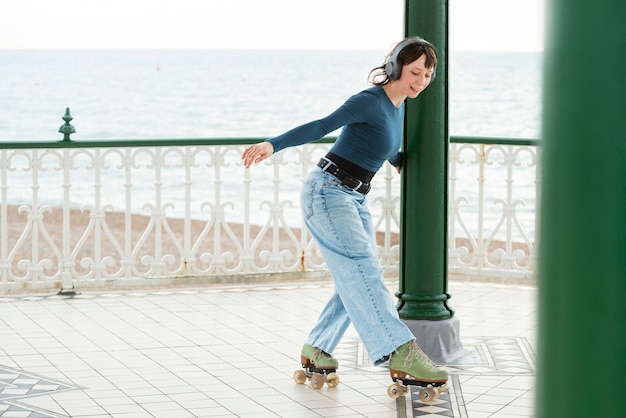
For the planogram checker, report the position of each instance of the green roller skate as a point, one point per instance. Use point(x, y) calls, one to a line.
point(319, 367)
point(409, 365)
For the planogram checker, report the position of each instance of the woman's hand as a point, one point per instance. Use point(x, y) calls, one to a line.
point(257, 153)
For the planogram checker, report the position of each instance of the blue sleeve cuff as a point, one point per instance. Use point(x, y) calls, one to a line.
point(396, 160)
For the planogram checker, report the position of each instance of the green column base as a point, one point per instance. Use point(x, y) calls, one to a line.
point(430, 307)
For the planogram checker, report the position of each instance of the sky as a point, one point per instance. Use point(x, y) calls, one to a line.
point(475, 25)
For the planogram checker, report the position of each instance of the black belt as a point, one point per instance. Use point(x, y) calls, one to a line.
point(346, 178)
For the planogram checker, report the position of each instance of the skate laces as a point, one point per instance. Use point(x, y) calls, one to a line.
point(416, 352)
point(318, 353)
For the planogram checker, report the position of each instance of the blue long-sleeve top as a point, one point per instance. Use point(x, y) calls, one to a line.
point(371, 134)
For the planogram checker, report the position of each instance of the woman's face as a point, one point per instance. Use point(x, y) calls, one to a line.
point(415, 77)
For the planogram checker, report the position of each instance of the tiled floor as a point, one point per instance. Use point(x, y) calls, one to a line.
point(232, 351)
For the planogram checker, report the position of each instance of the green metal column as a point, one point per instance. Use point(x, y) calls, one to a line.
point(582, 258)
point(423, 259)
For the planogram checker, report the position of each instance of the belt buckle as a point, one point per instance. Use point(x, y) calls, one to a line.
point(352, 183)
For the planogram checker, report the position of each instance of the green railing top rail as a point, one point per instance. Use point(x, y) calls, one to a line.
point(495, 141)
point(124, 143)
point(67, 129)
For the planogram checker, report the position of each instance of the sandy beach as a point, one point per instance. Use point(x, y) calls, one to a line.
point(51, 225)
point(50, 228)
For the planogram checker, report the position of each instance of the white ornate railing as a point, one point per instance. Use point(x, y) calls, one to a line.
point(205, 214)
point(96, 215)
point(493, 209)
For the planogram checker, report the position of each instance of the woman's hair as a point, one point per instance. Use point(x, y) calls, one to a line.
point(409, 52)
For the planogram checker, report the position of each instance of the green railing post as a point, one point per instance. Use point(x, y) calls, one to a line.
point(67, 128)
point(423, 285)
point(582, 246)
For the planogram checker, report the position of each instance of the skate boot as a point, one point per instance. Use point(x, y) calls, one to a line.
point(409, 359)
point(410, 366)
point(319, 367)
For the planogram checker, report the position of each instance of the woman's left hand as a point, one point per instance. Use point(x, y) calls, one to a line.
point(257, 153)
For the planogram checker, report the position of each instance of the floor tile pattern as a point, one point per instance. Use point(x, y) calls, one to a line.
point(490, 356)
point(17, 386)
point(231, 352)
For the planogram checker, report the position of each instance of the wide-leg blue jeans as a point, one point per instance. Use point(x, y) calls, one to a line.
point(340, 222)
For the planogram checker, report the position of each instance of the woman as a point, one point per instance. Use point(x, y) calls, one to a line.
point(335, 210)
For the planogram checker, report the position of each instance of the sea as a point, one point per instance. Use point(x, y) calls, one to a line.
point(126, 94)
point(134, 94)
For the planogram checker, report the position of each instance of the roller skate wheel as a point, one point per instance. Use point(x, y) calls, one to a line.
point(332, 380)
point(317, 381)
point(395, 391)
point(299, 376)
point(428, 395)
